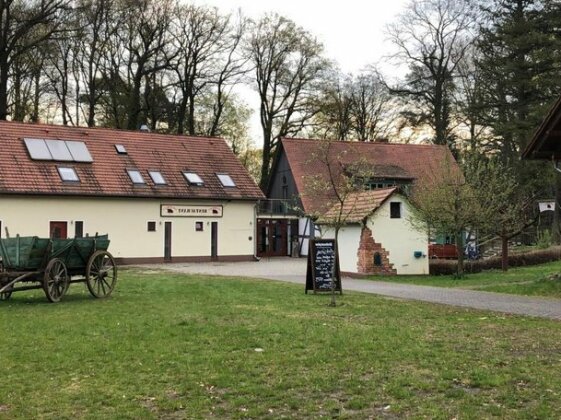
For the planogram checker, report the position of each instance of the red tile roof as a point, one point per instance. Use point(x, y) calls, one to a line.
point(107, 175)
point(358, 205)
point(425, 164)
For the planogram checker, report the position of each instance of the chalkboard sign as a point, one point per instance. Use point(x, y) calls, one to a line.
point(322, 258)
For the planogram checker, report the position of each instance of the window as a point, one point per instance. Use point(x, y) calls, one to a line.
point(199, 226)
point(120, 149)
point(68, 174)
point(192, 178)
point(226, 180)
point(395, 210)
point(157, 177)
point(135, 176)
point(151, 227)
point(78, 229)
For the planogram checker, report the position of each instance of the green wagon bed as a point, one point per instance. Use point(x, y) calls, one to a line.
point(52, 264)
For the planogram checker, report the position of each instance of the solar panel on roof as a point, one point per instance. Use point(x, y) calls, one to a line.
point(79, 151)
point(38, 149)
point(59, 151)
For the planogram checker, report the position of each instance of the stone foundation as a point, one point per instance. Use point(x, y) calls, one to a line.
point(366, 252)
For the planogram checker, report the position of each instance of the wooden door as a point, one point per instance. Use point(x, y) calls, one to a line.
point(214, 241)
point(272, 238)
point(58, 230)
point(167, 241)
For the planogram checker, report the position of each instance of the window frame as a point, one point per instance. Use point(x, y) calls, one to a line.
point(226, 181)
point(62, 169)
point(395, 214)
point(159, 173)
point(135, 171)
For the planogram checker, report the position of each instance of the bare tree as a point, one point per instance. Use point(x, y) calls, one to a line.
point(287, 62)
point(24, 24)
point(432, 37)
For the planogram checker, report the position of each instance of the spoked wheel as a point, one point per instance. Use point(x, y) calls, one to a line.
point(101, 274)
point(56, 280)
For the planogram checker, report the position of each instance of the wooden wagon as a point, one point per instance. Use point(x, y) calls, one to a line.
point(53, 264)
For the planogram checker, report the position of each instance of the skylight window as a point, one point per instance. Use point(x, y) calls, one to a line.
point(121, 149)
point(226, 180)
point(193, 178)
point(135, 176)
point(68, 174)
point(157, 177)
point(60, 150)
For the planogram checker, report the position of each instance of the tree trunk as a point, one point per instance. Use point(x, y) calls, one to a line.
point(460, 249)
point(556, 225)
point(4, 69)
point(504, 253)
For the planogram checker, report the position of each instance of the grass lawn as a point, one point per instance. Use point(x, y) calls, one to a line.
point(531, 280)
point(171, 346)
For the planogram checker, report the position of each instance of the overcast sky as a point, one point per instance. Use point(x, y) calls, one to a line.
point(352, 31)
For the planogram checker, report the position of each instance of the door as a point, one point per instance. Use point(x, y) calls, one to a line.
point(214, 241)
point(58, 230)
point(167, 241)
point(272, 238)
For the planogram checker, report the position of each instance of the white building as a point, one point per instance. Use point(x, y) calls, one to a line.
point(159, 197)
point(378, 236)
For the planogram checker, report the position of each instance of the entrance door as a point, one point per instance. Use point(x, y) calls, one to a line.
point(58, 230)
point(272, 238)
point(167, 241)
point(214, 241)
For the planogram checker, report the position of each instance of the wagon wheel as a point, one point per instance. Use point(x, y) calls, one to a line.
point(101, 274)
point(56, 280)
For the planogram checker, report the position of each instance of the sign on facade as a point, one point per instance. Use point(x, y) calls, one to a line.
point(172, 210)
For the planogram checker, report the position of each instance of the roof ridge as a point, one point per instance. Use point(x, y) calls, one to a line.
point(106, 129)
point(357, 142)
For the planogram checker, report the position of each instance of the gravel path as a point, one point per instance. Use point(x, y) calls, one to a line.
point(294, 271)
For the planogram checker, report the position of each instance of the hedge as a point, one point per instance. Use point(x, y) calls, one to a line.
point(445, 267)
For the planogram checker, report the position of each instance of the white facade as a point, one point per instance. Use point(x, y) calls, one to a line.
point(126, 220)
point(398, 236)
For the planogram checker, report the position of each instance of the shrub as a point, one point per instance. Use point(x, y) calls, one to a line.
point(447, 267)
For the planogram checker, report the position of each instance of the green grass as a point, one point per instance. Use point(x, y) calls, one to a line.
point(532, 280)
point(171, 346)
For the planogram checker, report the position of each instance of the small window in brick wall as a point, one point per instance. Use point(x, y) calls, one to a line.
point(395, 210)
point(377, 259)
point(151, 227)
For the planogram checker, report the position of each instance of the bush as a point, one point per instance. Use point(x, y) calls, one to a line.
point(447, 267)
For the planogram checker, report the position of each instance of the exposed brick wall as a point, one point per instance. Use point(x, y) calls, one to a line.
point(366, 251)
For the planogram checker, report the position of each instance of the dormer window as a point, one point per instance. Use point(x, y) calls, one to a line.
point(193, 178)
point(136, 176)
point(157, 177)
point(226, 180)
point(68, 174)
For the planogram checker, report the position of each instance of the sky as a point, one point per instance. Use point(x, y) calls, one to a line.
point(352, 31)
